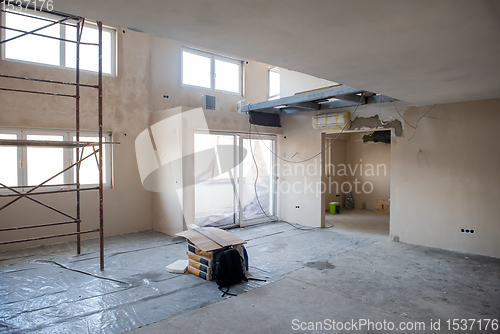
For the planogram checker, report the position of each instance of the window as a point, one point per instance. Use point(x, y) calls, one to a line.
point(8, 167)
point(32, 165)
point(48, 51)
point(274, 83)
point(211, 71)
point(44, 162)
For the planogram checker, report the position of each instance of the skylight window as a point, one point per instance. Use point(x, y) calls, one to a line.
point(210, 71)
point(49, 51)
point(274, 83)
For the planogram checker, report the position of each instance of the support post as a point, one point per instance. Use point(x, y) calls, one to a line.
point(79, 28)
point(101, 206)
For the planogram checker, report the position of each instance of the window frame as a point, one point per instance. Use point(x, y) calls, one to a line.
point(22, 155)
point(213, 57)
point(275, 96)
point(62, 45)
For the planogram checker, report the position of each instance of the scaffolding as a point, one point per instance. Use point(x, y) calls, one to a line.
point(77, 145)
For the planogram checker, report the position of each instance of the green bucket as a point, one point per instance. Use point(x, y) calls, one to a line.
point(334, 208)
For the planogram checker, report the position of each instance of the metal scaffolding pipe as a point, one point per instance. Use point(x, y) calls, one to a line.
point(47, 81)
point(36, 92)
point(39, 202)
point(35, 226)
point(35, 30)
point(38, 17)
point(47, 237)
point(46, 36)
point(79, 30)
point(51, 192)
point(41, 184)
point(101, 193)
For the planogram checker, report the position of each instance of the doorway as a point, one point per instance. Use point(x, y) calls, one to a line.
point(357, 170)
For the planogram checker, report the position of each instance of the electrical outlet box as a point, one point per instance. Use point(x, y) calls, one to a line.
point(208, 102)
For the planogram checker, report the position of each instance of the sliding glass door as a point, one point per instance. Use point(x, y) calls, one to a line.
point(215, 187)
point(257, 180)
point(229, 193)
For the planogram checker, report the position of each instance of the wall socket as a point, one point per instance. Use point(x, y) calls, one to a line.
point(297, 207)
point(467, 231)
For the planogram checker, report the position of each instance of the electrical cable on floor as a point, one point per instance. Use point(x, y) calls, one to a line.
point(81, 271)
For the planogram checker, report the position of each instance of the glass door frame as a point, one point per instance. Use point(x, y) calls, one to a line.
point(236, 203)
point(238, 188)
point(274, 183)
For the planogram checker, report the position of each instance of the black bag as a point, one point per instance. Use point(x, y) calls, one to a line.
point(228, 268)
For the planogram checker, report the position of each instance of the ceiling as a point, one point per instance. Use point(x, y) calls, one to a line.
point(418, 51)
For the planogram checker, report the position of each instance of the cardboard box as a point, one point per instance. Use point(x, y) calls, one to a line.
point(209, 239)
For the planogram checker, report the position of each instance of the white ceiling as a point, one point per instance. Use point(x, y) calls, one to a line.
point(418, 51)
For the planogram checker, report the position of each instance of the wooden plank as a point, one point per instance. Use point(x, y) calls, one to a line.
point(383, 201)
point(213, 237)
point(204, 242)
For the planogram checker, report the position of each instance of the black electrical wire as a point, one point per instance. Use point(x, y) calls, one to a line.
point(290, 161)
point(252, 153)
point(314, 156)
point(418, 120)
point(402, 116)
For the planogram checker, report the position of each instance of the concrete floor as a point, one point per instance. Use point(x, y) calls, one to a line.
point(383, 281)
point(350, 273)
point(405, 285)
point(360, 222)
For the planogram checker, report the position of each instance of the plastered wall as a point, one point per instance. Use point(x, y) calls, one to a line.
point(149, 70)
point(453, 183)
point(368, 171)
point(174, 209)
point(292, 82)
point(126, 109)
point(301, 199)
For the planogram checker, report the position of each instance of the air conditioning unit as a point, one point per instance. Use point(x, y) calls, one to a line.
point(338, 121)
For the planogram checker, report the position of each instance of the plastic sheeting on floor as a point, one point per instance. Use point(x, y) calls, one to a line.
point(48, 289)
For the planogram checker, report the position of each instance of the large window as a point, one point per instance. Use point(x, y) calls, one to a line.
point(31, 165)
point(211, 71)
point(48, 51)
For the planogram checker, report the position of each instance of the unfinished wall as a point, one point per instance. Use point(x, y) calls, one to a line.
point(171, 216)
point(149, 70)
point(368, 171)
point(292, 82)
point(166, 58)
point(299, 182)
point(126, 106)
point(453, 183)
